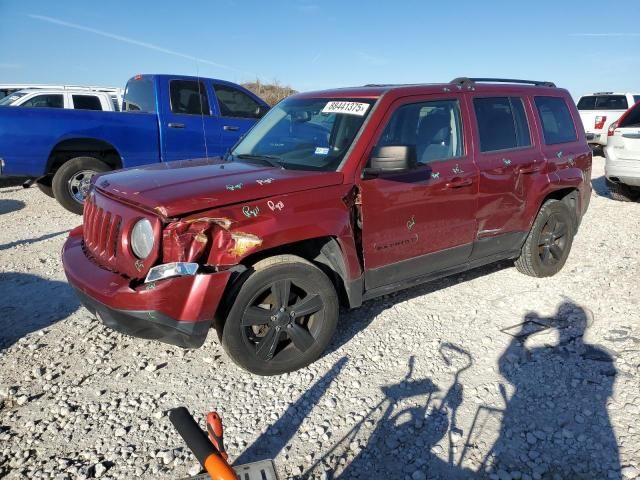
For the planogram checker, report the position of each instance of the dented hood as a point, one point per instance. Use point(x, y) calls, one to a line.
point(178, 188)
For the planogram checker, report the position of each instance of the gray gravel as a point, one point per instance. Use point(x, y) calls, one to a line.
point(489, 374)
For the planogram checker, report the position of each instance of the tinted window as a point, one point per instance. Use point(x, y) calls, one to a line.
point(48, 101)
point(502, 123)
point(434, 128)
point(236, 103)
point(603, 102)
point(557, 124)
point(632, 119)
point(188, 97)
point(139, 96)
point(116, 105)
point(636, 98)
point(587, 103)
point(86, 102)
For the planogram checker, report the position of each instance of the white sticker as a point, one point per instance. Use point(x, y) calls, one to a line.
point(322, 151)
point(348, 108)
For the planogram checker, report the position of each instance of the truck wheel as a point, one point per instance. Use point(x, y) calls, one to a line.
point(547, 247)
point(71, 182)
point(45, 188)
point(622, 192)
point(283, 317)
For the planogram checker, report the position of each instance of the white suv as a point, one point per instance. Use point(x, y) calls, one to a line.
point(59, 98)
point(622, 166)
point(599, 110)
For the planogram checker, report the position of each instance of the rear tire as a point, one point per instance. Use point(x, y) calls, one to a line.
point(282, 318)
point(45, 188)
point(622, 192)
point(71, 182)
point(548, 244)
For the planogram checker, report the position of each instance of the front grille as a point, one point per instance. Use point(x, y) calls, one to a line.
point(101, 233)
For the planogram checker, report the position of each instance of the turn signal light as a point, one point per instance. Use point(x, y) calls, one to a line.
point(612, 128)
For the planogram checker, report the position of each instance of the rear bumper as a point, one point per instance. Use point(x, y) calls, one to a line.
point(621, 171)
point(177, 310)
point(597, 138)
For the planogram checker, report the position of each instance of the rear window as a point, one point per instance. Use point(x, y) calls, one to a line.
point(632, 119)
point(603, 102)
point(502, 123)
point(557, 124)
point(139, 96)
point(86, 102)
point(636, 98)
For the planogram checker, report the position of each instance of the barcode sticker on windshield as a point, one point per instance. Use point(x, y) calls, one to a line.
point(348, 108)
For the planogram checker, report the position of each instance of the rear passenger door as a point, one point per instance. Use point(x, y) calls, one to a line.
point(562, 147)
point(189, 128)
point(238, 112)
point(422, 221)
point(508, 160)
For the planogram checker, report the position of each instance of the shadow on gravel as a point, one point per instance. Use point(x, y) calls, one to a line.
point(353, 321)
point(12, 181)
point(29, 303)
point(278, 435)
point(8, 206)
point(554, 426)
point(47, 236)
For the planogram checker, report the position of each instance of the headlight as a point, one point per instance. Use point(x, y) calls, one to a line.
point(142, 238)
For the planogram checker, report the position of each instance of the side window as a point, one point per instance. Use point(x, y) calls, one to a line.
point(557, 124)
point(86, 102)
point(236, 103)
point(636, 99)
point(587, 103)
point(139, 96)
point(434, 128)
point(188, 97)
point(502, 123)
point(47, 101)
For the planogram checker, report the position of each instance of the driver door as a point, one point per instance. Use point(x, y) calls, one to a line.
point(421, 221)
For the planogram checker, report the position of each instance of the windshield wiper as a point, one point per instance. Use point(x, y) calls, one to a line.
point(268, 159)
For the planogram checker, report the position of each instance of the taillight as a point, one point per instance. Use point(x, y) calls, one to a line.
point(612, 128)
point(600, 120)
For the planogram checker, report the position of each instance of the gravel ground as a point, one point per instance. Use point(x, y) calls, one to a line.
point(490, 374)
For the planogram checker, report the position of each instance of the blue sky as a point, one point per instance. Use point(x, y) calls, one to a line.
point(313, 44)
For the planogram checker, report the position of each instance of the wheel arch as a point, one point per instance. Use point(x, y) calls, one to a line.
point(78, 147)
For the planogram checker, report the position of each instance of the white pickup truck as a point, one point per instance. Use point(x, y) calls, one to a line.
point(79, 99)
point(600, 110)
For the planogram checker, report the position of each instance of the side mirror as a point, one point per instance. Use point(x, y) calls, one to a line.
point(262, 110)
point(391, 159)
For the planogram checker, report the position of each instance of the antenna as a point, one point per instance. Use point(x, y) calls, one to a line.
point(204, 132)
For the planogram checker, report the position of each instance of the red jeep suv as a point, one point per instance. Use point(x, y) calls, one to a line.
point(334, 196)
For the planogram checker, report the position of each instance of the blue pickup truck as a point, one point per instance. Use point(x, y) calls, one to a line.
point(164, 118)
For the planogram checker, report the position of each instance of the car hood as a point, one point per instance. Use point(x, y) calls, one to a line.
point(177, 188)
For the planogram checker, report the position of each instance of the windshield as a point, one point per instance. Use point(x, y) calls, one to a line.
point(12, 98)
point(305, 134)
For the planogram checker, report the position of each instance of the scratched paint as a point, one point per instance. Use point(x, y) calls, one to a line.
point(250, 211)
point(243, 242)
point(411, 223)
point(457, 170)
point(232, 188)
point(435, 175)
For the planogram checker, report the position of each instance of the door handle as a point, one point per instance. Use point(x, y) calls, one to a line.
point(533, 168)
point(459, 182)
point(631, 135)
point(230, 128)
point(175, 125)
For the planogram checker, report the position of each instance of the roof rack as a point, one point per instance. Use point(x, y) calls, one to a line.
point(467, 82)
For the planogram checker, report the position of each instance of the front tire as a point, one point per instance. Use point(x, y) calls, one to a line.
point(622, 192)
point(71, 182)
point(548, 244)
point(283, 316)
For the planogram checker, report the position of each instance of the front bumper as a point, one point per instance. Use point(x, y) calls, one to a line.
point(178, 310)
